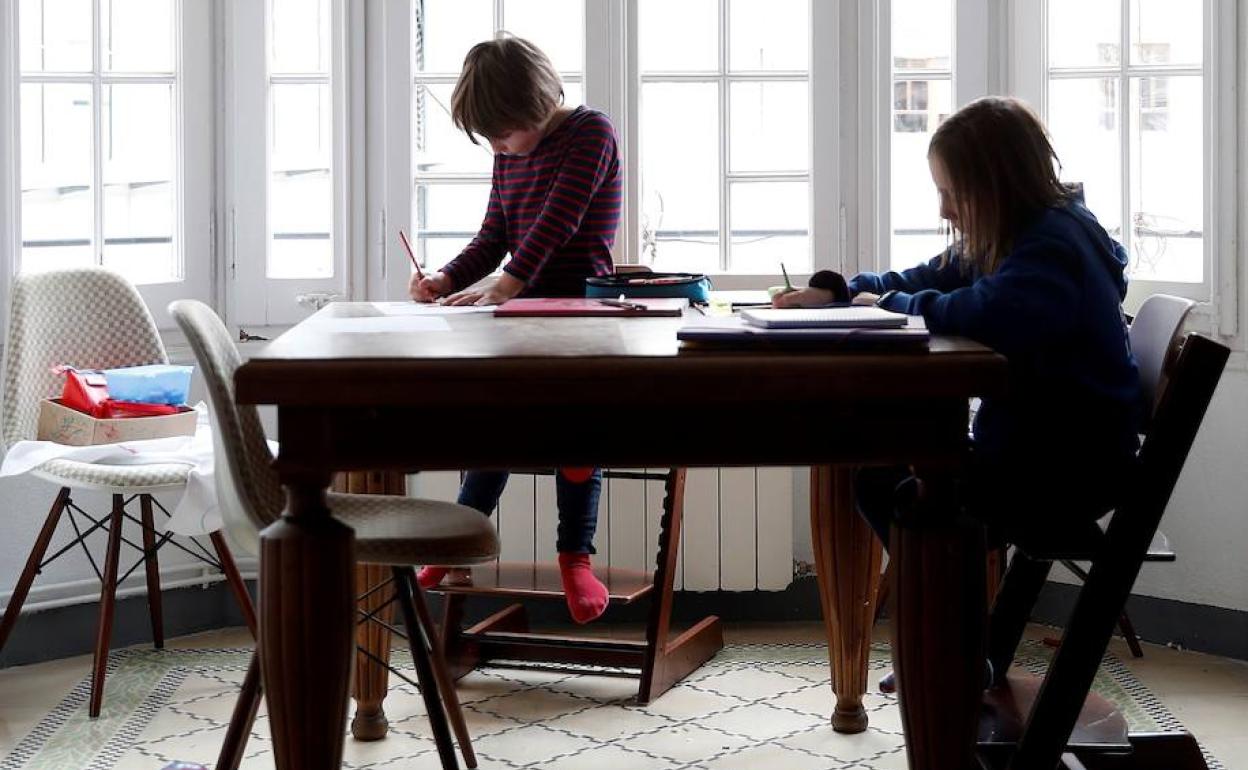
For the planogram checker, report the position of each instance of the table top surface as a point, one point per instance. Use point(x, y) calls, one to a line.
point(320, 362)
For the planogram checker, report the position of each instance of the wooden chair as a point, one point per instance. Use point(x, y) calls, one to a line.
point(389, 530)
point(659, 660)
point(94, 318)
point(1029, 724)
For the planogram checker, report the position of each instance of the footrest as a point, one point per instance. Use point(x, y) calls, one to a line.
point(540, 580)
point(1100, 727)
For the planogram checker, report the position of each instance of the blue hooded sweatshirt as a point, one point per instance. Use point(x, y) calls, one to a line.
point(1053, 308)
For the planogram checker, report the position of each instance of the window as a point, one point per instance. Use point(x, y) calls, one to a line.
point(450, 174)
point(107, 145)
point(922, 33)
point(725, 127)
point(288, 231)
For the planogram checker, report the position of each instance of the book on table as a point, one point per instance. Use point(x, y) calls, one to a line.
point(841, 316)
point(734, 331)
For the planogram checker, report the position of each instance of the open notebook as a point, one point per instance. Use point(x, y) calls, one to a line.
point(848, 316)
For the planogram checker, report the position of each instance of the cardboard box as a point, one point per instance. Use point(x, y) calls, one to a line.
point(64, 425)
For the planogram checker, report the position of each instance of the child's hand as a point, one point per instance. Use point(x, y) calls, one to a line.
point(809, 297)
point(429, 288)
point(865, 298)
point(501, 290)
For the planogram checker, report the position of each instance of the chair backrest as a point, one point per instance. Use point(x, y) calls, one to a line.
point(248, 489)
point(90, 318)
point(1155, 334)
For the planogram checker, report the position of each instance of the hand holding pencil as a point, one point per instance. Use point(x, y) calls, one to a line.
point(421, 287)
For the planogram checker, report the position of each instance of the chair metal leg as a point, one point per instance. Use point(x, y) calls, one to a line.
point(108, 598)
point(18, 598)
point(446, 685)
point(405, 586)
point(235, 581)
point(1010, 612)
point(243, 718)
point(151, 562)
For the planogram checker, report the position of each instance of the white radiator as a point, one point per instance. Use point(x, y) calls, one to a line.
point(737, 534)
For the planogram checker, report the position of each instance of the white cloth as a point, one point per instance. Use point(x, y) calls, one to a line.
point(196, 513)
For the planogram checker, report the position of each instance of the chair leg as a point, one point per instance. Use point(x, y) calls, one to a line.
point(108, 598)
point(1010, 612)
point(1128, 633)
point(150, 560)
point(18, 598)
point(235, 581)
point(243, 718)
point(446, 685)
point(405, 586)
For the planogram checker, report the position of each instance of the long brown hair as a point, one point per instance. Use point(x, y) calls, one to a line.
point(1001, 165)
point(506, 84)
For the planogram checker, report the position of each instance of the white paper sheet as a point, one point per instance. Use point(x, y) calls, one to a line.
point(429, 309)
point(379, 324)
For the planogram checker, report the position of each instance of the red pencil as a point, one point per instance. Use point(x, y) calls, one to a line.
point(410, 255)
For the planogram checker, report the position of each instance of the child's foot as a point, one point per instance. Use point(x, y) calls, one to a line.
point(585, 593)
point(428, 577)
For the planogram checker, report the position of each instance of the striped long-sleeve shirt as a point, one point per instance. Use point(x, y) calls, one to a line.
point(554, 210)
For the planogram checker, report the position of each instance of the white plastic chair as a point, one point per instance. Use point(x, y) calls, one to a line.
point(93, 319)
point(390, 530)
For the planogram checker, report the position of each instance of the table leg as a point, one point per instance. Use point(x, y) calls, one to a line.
point(939, 616)
point(371, 681)
point(847, 564)
point(307, 608)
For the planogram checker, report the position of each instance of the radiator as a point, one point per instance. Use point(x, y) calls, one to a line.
point(737, 534)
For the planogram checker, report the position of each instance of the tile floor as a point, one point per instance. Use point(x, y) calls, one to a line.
point(1208, 694)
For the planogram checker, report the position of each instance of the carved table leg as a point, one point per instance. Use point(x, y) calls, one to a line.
point(371, 677)
point(847, 565)
point(307, 609)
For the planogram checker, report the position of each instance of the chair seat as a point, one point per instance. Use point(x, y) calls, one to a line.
point(133, 478)
point(395, 530)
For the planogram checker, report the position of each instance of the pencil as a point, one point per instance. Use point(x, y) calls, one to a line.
point(788, 285)
point(410, 255)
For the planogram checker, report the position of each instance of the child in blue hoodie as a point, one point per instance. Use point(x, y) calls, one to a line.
point(1033, 275)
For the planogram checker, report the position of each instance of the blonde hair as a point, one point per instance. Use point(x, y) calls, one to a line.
point(1003, 171)
point(506, 84)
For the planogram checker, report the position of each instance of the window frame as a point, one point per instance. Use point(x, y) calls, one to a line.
point(193, 217)
point(1217, 295)
point(250, 295)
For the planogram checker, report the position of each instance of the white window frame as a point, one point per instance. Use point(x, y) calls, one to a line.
point(193, 220)
point(251, 297)
point(1218, 305)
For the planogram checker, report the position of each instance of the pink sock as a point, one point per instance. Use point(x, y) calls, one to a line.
point(585, 594)
point(428, 577)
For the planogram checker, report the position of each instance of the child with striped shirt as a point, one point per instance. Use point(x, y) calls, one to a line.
point(554, 207)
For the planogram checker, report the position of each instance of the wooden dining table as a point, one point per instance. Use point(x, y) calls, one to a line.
point(474, 391)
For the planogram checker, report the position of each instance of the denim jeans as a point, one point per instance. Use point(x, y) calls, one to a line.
point(577, 504)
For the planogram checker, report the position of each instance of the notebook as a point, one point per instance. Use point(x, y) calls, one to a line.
point(732, 331)
point(849, 316)
point(585, 306)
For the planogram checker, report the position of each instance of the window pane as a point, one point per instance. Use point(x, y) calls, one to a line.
point(918, 108)
point(446, 217)
point(1165, 32)
point(137, 35)
point(437, 146)
point(1167, 179)
point(1090, 33)
point(769, 35)
point(770, 126)
point(573, 93)
point(299, 36)
point(555, 26)
point(444, 30)
point(301, 194)
point(58, 209)
point(138, 161)
point(922, 34)
point(676, 37)
point(679, 175)
point(1083, 119)
point(770, 226)
point(55, 35)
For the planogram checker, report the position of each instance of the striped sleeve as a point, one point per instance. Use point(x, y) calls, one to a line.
point(581, 174)
point(480, 257)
